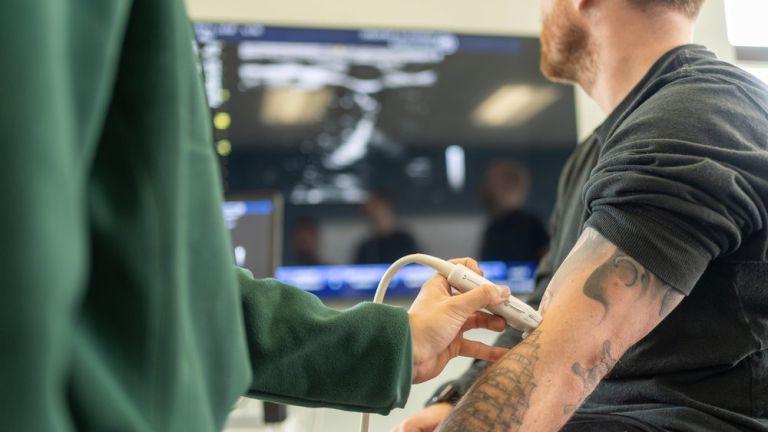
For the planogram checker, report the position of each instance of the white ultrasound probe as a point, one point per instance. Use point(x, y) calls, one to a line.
point(517, 313)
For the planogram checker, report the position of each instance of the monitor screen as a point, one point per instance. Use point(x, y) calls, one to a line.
point(255, 229)
point(326, 116)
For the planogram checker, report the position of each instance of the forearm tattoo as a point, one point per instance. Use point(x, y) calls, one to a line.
point(500, 398)
point(622, 271)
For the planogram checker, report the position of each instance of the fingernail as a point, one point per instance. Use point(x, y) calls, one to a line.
point(504, 290)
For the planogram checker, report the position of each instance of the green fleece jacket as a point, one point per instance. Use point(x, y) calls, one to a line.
point(120, 307)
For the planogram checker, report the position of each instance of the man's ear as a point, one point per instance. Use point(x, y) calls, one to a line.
point(583, 6)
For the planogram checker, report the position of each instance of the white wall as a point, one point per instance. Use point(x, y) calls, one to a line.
point(513, 17)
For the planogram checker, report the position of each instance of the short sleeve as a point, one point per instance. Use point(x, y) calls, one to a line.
point(678, 184)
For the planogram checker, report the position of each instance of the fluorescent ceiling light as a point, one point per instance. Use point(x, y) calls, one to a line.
point(288, 106)
point(455, 167)
point(747, 22)
point(512, 105)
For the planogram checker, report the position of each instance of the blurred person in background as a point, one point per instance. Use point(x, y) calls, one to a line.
point(513, 234)
point(305, 238)
point(387, 242)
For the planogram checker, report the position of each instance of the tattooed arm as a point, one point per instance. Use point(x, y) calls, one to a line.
point(600, 303)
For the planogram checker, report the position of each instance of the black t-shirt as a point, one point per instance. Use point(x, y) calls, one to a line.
point(677, 177)
point(385, 249)
point(514, 236)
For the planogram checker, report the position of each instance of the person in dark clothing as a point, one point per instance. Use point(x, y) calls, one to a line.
point(305, 240)
point(654, 293)
point(387, 243)
point(513, 234)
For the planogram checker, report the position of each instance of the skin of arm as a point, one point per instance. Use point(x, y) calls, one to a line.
point(599, 303)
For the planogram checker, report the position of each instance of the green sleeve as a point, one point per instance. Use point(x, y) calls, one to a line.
point(304, 353)
point(53, 81)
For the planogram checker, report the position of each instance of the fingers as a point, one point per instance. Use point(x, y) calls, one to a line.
point(440, 284)
point(413, 425)
point(468, 263)
point(426, 420)
point(485, 321)
point(487, 295)
point(481, 351)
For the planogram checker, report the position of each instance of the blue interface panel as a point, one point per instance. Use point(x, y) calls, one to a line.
point(357, 281)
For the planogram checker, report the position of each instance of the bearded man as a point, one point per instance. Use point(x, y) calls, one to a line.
point(655, 289)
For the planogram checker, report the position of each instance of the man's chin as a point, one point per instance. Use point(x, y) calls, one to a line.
point(556, 74)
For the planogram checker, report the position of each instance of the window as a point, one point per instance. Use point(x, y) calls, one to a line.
point(747, 22)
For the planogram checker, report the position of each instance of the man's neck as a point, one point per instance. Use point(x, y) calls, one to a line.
point(627, 51)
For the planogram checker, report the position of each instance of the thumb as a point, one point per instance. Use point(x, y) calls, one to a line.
point(481, 297)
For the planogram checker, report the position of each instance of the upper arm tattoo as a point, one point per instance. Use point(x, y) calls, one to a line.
point(621, 270)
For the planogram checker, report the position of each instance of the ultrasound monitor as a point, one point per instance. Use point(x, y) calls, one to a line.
point(255, 225)
point(327, 116)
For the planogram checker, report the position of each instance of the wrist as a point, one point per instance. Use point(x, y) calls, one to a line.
point(414, 348)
